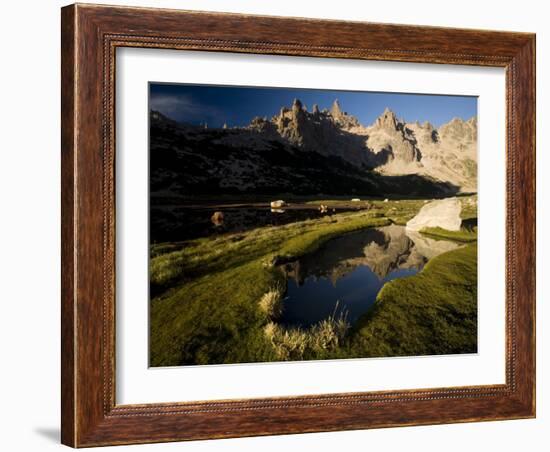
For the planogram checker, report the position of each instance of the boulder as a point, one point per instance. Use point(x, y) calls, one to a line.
point(277, 204)
point(217, 218)
point(443, 213)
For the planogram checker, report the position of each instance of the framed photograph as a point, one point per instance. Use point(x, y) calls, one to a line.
point(281, 225)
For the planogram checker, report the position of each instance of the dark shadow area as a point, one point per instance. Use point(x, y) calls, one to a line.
point(50, 433)
point(188, 161)
point(470, 223)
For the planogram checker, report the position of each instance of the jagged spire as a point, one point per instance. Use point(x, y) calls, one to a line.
point(315, 109)
point(387, 119)
point(336, 111)
point(388, 112)
point(297, 104)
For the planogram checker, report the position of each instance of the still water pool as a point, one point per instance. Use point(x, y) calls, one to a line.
point(346, 274)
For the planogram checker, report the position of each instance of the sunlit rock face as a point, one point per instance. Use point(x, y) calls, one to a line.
point(443, 213)
point(449, 152)
point(257, 157)
point(390, 145)
point(324, 132)
point(389, 135)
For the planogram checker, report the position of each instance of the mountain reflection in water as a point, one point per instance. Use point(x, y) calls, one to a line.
point(345, 275)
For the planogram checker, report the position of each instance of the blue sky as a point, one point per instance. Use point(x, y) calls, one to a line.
point(236, 106)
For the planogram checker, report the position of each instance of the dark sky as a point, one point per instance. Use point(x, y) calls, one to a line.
point(236, 106)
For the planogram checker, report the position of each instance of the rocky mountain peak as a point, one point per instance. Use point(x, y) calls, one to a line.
point(341, 118)
point(460, 130)
point(387, 120)
point(295, 122)
point(297, 105)
point(456, 122)
point(335, 110)
point(325, 132)
point(389, 146)
point(427, 125)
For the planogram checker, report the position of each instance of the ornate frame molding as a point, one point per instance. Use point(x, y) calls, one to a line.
point(90, 37)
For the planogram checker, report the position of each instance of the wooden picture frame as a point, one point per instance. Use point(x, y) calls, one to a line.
point(90, 36)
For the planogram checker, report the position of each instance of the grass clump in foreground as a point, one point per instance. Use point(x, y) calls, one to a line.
point(271, 303)
point(433, 312)
point(205, 309)
point(316, 342)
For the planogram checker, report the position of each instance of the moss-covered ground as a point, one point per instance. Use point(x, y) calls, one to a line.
point(433, 312)
point(206, 293)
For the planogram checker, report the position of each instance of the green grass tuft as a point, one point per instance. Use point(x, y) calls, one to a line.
point(271, 303)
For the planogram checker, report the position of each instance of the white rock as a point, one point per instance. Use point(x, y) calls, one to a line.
point(443, 213)
point(355, 200)
point(278, 204)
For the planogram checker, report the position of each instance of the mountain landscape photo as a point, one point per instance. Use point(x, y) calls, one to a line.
point(294, 224)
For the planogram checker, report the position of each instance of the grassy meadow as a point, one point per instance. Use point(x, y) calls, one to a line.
point(216, 300)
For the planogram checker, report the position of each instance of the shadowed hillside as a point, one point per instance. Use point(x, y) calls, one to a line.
point(295, 152)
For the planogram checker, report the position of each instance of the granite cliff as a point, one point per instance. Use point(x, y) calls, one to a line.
point(314, 151)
